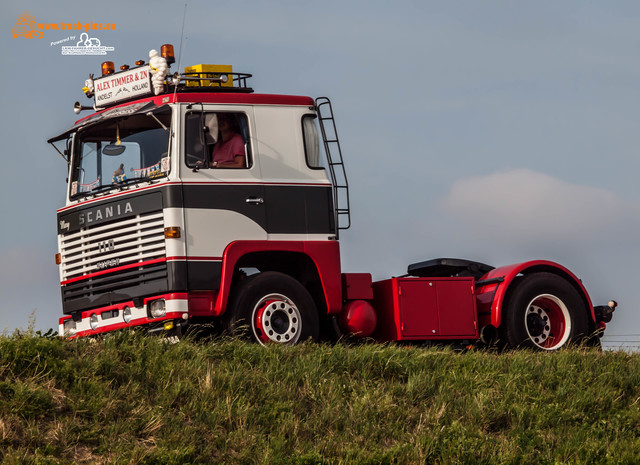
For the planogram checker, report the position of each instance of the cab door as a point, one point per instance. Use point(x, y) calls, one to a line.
point(221, 205)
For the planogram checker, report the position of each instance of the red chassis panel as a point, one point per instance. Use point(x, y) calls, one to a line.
point(425, 308)
point(357, 286)
point(491, 296)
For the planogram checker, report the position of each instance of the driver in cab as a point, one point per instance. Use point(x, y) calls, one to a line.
point(229, 150)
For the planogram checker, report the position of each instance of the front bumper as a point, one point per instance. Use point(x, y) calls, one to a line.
point(126, 315)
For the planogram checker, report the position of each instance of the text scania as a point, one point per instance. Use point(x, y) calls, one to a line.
point(104, 213)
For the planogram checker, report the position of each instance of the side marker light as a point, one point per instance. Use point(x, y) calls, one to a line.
point(172, 232)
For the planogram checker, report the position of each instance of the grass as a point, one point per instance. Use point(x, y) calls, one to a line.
point(132, 399)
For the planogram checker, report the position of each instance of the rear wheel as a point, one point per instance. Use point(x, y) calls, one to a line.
point(545, 312)
point(273, 307)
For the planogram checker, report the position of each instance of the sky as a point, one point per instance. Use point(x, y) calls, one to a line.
point(498, 131)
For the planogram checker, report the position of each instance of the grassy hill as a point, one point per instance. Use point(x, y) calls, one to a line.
point(132, 399)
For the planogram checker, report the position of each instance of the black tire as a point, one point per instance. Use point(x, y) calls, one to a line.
point(545, 312)
point(273, 307)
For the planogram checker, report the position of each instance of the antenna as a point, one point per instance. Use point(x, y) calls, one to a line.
point(184, 17)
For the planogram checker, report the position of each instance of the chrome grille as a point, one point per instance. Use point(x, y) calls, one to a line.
point(133, 240)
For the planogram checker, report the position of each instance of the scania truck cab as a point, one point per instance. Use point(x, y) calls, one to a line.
point(157, 234)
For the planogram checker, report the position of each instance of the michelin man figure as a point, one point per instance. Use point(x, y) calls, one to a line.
point(159, 67)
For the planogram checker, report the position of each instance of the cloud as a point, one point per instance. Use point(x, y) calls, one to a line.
point(526, 206)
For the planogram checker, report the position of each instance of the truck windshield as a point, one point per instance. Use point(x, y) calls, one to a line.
point(121, 151)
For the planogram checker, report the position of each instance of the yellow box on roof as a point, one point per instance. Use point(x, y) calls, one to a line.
point(214, 72)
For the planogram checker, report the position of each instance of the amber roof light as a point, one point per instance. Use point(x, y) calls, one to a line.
point(167, 53)
point(107, 68)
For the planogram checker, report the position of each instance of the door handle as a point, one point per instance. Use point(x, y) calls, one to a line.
point(255, 200)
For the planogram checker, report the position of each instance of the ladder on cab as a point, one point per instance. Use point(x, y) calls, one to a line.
point(337, 172)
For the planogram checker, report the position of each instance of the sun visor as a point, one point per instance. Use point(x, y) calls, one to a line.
point(117, 112)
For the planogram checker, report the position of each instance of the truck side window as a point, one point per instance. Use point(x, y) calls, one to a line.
point(195, 141)
point(203, 132)
point(311, 141)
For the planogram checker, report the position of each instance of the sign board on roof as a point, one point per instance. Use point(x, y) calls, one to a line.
point(125, 85)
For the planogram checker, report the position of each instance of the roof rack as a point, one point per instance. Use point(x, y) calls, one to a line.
point(211, 82)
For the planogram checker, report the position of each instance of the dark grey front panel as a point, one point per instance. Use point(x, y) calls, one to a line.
point(99, 213)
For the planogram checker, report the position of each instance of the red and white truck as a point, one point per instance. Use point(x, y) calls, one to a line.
point(155, 233)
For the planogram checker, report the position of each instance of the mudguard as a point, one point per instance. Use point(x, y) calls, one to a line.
point(493, 287)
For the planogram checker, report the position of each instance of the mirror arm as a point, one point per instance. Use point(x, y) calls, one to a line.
point(61, 154)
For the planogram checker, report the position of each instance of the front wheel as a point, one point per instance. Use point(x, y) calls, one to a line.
point(273, 307)
point(544, 311)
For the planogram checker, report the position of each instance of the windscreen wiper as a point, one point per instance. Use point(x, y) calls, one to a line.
point(102, 188)
point(128, 181)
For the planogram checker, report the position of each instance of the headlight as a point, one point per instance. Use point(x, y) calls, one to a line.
point(126, 315)
point(158, 308)
point(69, 327)
point(94, 321)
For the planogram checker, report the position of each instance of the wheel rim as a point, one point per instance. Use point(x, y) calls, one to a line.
point(276, 319)
point(547, 322)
